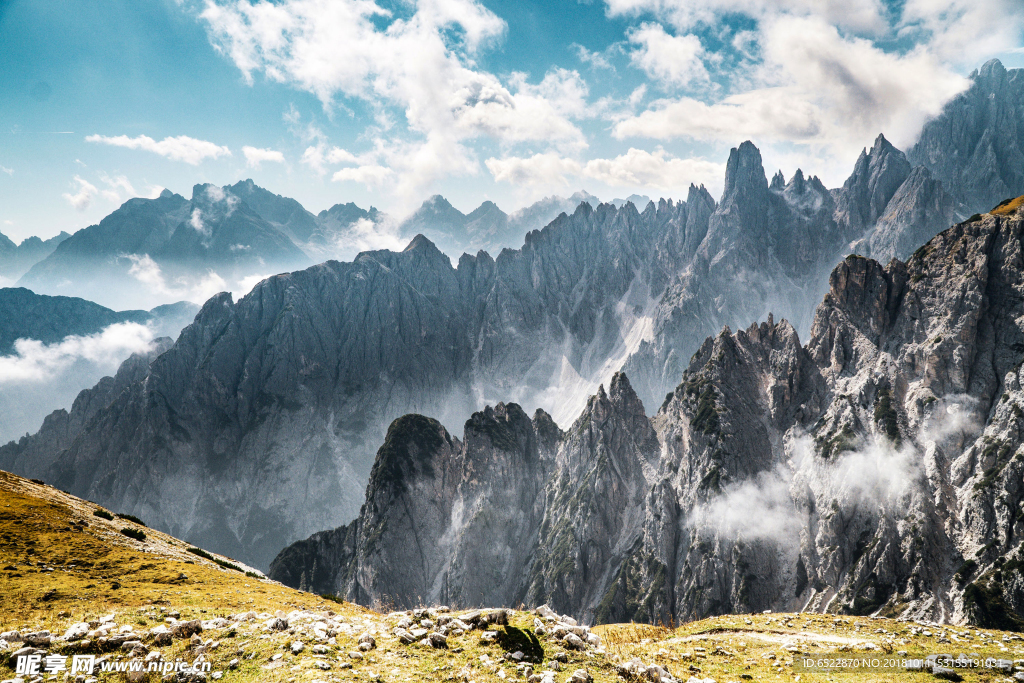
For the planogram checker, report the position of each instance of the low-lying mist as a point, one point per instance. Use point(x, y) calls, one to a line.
point(874, 471)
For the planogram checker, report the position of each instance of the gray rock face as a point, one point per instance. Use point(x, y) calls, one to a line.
point(874, 470)
point(973, 147)
point(284, 213)
point(866, 194)
point(488, 508)
point(910, 217)
point(33, 455)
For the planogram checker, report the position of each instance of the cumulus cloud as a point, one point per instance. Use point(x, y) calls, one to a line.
point(83, 197)
point(372, 175)
point(422, 64)
point(598, 60)
point(636, 169)
point(858, 15)
point(36, 362)
point(639, 168)
point(834, 92)
point(823, 74)
point(546, 170)
point(671, 60)
point(180, 148)
point(255, 156)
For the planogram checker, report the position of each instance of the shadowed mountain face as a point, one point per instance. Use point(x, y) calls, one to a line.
point(857, 473)
point(24, 315)
point(259, 426)
point(974, 146)
point(49, 319)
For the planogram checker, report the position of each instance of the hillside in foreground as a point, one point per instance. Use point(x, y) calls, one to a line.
point(75, 584)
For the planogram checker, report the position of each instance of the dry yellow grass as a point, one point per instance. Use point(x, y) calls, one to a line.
point(1008, 207)
point(60, 565)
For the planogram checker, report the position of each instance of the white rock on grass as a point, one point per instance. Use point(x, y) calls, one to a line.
point(581, 676)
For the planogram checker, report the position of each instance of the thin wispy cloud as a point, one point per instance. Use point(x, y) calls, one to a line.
point(82, 198)
point(180, 148)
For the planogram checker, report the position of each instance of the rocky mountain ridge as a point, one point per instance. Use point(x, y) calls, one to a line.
point(16, 259)
point(874, 470)
point(268, 406)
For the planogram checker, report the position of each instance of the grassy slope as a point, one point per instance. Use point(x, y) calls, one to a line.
point(50, 541)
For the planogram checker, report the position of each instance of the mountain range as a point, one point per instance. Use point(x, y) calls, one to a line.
point(875, 469)
point(69, 343)
point(259, 426)
point(154, 251)
point(16, 259)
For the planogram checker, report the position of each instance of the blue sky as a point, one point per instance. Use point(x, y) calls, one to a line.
point(387, 103)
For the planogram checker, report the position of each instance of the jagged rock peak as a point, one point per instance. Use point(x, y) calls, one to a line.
point(993, 69)
point(797, 183)
point(744, 172)
point(778, 181)
point(621, 394)
point(506, 426)
point(420, 242)
point(410, 444)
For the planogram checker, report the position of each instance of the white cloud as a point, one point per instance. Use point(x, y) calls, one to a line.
point(372, 175)
point(640, 169)
point(421, 63)
point(255, 156)
point(196, 221)
point(8, 171)
point(672, 60)
point(636, 169)
point(772, 505)
point(246, 285)
point(833, 92)
point(598, 60)
point(766, 114)
point(964, 32)
point(147, 272)
point(857, 15)
point(83, 197)
point(35, 362)
point(827, 75)
point(115, 186)
point(544, 170)
point(180, 148)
